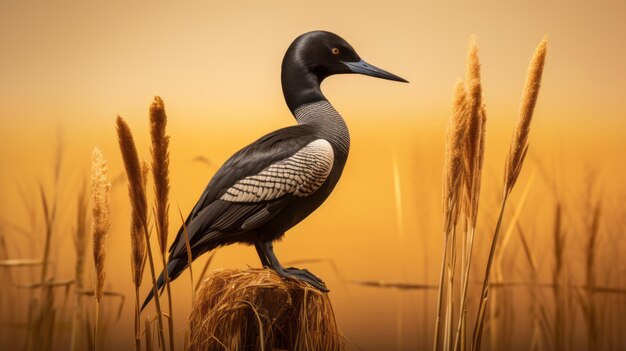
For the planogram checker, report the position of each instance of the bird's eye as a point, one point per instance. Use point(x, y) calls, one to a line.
point(335, 51)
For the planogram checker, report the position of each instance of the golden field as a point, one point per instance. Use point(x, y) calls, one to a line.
point(69, 70)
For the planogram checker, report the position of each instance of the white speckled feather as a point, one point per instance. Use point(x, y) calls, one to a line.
point(299, 175)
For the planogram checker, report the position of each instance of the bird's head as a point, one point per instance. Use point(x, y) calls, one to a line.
point(324, 54)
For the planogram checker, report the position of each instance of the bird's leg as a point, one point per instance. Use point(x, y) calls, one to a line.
point(259, 250)
point(266, 252)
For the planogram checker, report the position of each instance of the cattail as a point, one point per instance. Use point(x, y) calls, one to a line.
point(137, 240)
point(160, 165)
point(519, 144)
point(100, 188)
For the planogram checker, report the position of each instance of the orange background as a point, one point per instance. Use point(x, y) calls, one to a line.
point(68, 69)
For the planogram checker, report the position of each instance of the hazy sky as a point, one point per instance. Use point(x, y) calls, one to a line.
point(86, 61)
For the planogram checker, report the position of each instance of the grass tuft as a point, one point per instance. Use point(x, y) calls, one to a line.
point(257, 309)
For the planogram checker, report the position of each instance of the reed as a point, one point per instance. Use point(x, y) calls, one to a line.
point(160, 168)
point(473, 159)
point(452, 191)
point(160, 173)
point(513, 166)
point(44, 313)
point(100, 210)
point(590, 308)
point(519, 144)
point(189, 254)
point(80, 247)
point(138, 204)
point(138, 248)
point(462, 173)
point(137, 240)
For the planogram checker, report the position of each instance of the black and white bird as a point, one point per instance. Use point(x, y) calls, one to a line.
point(271, 185)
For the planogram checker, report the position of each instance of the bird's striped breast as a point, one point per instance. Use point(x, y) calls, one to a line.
point(299, 175)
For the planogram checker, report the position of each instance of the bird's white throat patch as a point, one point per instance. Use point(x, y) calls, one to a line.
point(300, 175)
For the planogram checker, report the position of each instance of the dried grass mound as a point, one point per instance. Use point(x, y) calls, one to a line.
point(256, 309)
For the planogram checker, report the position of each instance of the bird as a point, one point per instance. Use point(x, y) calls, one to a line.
point(269, 186)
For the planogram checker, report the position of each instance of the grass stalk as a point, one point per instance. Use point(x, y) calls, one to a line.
point(591, 310)
point(100, 188)
point(160, 173)
point(137, 197)
point(512, 169)
point(473, 156)
point(138, 247)
point(137, 320)
point(170, 320)
point(80, 247)
point(440, 292)
point(557, 278)
point(453, 171)
point(478, 328)
point(189, 255)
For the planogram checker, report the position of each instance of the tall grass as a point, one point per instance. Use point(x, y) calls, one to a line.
point(453, 169)
point(138, 247)
point(139, 206)
point(137, 173)
point(160, 173)
point(100, 210)
point(513, 167)
point(80, 247)
point(465, 144)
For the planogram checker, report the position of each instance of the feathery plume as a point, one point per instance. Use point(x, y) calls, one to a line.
point(453, 166)
point(452, 178)
point(160, 168)
point(479, 164)
point(136, 182)
point(100, 188)
point(137, 240)
point(133, 170)
point(512, 169)
point(160, 173)
point(475, 128)
point(519, 144)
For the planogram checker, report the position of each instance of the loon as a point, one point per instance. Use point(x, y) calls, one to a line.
point(271, 185)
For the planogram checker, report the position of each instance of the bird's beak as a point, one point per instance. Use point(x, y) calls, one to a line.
point(365, 68)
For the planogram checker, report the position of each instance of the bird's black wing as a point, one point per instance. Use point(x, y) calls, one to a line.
point(255, 183)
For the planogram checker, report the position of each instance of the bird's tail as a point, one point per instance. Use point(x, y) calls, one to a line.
point(174, 268)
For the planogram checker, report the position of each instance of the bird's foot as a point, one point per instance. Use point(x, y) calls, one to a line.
point(304, 275)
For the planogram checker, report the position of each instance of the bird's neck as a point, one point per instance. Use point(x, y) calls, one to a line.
point(300, 86)
point(303, 95)
point(327, 122)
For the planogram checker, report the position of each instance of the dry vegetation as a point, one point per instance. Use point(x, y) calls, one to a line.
point(573, 298)
point(462, 172)
point(257, 310)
